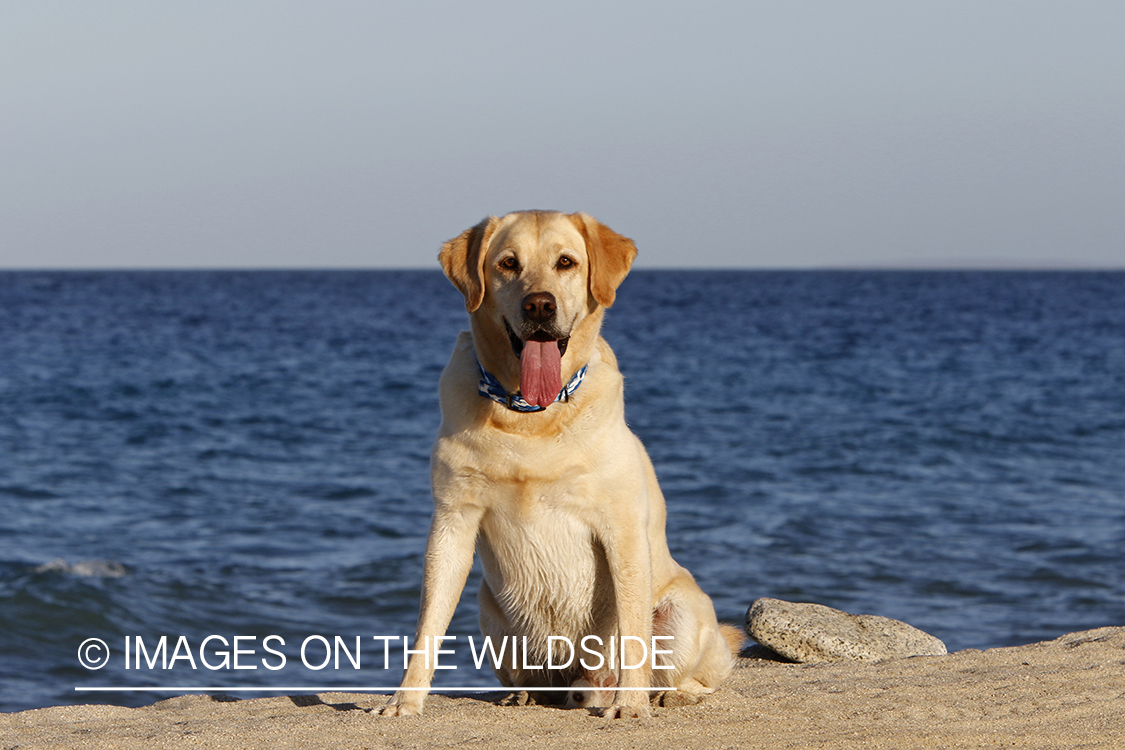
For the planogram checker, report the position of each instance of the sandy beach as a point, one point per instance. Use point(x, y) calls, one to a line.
point(1065, 693)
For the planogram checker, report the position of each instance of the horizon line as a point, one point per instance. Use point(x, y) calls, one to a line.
point(988, 267)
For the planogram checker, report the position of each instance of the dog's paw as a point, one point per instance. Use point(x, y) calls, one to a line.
point(584, 694)
point(397, 707)
point(618, 711)
point(518, 698)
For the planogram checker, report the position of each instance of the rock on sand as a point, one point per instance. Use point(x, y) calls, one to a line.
point(813, 633)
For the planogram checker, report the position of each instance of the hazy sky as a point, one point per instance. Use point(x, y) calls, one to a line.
point(749, 134)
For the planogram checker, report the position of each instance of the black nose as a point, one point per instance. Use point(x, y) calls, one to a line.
point(539, 307)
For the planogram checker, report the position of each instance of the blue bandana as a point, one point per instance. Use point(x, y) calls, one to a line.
point(490, 388)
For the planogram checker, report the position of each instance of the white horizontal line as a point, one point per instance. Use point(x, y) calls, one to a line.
point(340, 689)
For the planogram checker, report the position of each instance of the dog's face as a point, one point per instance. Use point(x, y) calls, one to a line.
point(530, 280)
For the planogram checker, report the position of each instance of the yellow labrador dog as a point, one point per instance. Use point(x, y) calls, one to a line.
point(535, 468)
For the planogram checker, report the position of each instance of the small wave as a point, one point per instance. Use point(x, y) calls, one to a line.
point(86, 568)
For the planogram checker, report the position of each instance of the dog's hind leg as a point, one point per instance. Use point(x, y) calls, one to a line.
point(702, 650)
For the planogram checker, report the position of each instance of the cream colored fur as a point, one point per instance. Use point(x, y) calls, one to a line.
point(563, 504)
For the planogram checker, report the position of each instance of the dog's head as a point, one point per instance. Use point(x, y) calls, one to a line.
point(533, 282)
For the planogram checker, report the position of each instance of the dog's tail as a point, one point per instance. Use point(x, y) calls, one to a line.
point(734, 636)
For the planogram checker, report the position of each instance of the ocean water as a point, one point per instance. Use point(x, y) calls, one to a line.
point(246, 454)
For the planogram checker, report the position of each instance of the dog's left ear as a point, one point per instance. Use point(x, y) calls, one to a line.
point(611, 255)
point(462, 258)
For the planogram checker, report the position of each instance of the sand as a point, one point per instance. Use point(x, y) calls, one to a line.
point(1066, 693)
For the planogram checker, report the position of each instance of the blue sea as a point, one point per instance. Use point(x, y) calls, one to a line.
point(245, 454)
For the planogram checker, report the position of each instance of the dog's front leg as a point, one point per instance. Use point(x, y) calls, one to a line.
point(449, 556)
point(630, 565)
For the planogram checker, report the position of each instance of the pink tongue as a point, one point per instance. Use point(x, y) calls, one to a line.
point(540, 372)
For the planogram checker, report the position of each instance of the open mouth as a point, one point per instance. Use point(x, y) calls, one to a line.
point(540, 357)
point(517, 342)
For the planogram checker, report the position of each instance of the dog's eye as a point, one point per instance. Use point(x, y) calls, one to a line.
point(510, 264)
point(567, 262)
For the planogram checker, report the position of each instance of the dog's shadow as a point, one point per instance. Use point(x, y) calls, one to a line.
point(663, 699)
point(495, 697)
point(307, 701)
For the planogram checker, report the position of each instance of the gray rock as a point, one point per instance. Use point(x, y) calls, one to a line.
point(810, 633)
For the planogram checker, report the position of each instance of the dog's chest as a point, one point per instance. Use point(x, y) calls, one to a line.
point(544, 564)
point(549, 500)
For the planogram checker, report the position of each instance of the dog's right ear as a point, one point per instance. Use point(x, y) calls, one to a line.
point(463, 260)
